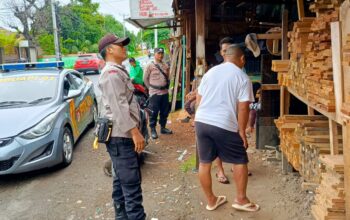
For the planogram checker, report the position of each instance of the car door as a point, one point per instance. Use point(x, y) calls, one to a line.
point(84, 110)
point(74, 104)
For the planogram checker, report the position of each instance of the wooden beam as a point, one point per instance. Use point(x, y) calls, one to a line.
point(269, 36)
point(345, 22)
point(200, 31)
point(177, 78)
point(270, 87)
point(346, 150)
point(310, 111)
point(285, 96)
point(337, 67)
point(301, 11)
point(285, 55)
point(188, 53)
point(333, 137)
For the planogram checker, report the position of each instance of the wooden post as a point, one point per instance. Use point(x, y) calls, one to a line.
point(200, 31)
point(346, 152)
point(333, 137)
point(200, 39)
point(310, 111)
point(285, 96)
point(345, 29)
point(337, 67)
point(301, 11)
point(188, 52)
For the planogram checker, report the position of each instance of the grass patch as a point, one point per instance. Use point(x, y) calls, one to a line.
point(188, 164)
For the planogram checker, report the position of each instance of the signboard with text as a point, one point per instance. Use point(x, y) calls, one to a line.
point(151, 9)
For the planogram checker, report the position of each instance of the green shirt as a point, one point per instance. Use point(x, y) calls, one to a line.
point(136, 73)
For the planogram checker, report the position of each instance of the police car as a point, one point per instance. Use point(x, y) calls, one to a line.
point(44, 109)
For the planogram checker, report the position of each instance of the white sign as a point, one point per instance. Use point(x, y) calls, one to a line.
point(23, 43)
point(141, 9)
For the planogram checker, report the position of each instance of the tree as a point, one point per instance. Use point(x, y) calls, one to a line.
point(8, 41)
point(25, 12)
point(148, 37)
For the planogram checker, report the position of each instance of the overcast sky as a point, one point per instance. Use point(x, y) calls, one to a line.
point(113, 7)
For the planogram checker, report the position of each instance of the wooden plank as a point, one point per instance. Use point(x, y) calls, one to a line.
point(330, 115)
point(337, 68)
point(269, 36)
point(310, 111)
point(270, 87)
point(188, 52)
point(333, 137)
point(346, 150)
point(200, 6)
point(177, 78)
point(301, 12)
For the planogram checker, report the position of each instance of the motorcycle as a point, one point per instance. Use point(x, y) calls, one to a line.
point(142, 98)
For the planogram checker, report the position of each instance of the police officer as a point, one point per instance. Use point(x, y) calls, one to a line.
point(119, 105)
point(156, 78)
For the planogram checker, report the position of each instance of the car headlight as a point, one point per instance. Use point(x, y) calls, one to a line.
point(42, 128)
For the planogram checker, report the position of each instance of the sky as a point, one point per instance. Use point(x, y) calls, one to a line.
point(117, 8)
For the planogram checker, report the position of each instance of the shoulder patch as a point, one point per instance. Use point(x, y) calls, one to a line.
point(112, 71)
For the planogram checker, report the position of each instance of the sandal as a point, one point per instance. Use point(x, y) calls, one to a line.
point(222, 179)
point(249, 207)
point(220, 201)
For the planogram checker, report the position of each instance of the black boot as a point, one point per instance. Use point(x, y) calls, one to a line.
point(164, 130)
point(120, 213)
point(154, 134)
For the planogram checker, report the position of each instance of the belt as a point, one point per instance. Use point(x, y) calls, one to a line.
point(160, 87)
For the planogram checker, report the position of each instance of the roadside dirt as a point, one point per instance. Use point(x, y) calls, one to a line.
point(170, 187)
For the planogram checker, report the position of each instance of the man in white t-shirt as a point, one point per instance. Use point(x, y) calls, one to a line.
point(224, 96)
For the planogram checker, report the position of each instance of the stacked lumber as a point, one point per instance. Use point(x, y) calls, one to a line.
point(299, 38)
point(319, 80)
point(311, 68)
point(289, 128)
point(346, 65)
point(315, 141)
point(330, 195)
point(282, 68)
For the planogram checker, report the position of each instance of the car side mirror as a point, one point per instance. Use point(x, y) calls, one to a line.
point(72, 94)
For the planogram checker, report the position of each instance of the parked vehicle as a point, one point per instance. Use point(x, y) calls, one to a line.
point(44, 110)
point(89, 63)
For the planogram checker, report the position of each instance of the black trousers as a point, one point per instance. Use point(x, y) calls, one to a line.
point(127, 180)
point(159, 104)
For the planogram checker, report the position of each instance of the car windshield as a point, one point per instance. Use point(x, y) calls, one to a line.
point(31, 89)
point(86, 57)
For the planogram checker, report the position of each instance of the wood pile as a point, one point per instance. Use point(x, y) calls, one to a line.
point(282, 68)
point(315, 141)
point(330, 195)
point(297, 46)
point(311, 68)
point(346, 65)
point(290, 128)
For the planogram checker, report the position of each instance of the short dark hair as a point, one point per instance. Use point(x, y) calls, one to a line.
point(104, 52)
point(132, 59)
point(226, 40)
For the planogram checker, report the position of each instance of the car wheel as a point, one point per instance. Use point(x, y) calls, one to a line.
point(67, 147)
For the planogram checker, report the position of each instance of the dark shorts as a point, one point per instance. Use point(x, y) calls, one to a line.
point(216, 142)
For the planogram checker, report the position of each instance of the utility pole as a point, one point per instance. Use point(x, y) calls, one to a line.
point(156, 37)
point(55, 31)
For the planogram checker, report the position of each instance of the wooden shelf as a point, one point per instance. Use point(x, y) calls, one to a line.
point(330, 115)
